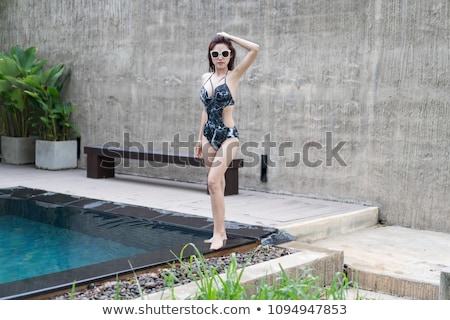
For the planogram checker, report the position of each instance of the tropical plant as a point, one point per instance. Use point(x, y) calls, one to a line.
point(53, 119)
point(31, 97)
point(15, 107)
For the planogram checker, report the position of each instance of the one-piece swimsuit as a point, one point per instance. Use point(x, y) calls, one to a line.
point(215, 130)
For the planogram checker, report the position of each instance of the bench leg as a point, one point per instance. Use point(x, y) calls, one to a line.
point(100, 167)
point(231, 181)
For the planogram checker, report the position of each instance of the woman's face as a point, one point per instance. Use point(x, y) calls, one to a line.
point(217, 55)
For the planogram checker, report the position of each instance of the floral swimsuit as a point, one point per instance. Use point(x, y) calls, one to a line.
point(215, 130)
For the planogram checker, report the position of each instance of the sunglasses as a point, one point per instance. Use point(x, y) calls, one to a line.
point(225, 53)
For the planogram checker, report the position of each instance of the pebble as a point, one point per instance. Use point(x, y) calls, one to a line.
point(152, 282)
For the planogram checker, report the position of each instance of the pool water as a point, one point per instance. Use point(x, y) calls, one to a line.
point(49, 241)
point(50, 249)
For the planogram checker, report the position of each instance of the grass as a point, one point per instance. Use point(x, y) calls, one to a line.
point(211, 285)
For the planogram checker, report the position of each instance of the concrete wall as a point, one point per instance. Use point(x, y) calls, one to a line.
point(352, 95)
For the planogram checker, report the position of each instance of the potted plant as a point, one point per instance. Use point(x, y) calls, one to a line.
point(17, 140)
point(56, 146)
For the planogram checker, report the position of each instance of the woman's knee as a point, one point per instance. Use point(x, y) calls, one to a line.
point(215, 184)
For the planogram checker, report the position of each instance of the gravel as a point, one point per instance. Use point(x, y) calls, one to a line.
point(152, 282)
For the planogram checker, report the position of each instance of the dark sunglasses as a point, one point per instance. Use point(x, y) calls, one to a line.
point(224, 53)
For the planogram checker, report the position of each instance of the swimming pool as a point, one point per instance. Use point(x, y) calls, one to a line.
point(50, 240)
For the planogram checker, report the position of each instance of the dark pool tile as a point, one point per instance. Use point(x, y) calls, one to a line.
point(85, 202)
point(240, 230)
point(56, 198)
point(94, 204)
point(184, 220)
point(22, 192)
point(245, 230)
point(138, 212)
point(102, 206)
point(5, 191)
point(234, 243)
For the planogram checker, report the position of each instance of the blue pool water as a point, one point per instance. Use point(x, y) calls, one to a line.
point(30, 249)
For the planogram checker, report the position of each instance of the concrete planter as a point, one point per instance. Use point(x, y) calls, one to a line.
point(18, 150)
point(56, 155)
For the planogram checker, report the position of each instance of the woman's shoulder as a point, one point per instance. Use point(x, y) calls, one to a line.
point(206, 75)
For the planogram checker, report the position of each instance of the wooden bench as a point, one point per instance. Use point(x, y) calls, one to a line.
point(101, 164)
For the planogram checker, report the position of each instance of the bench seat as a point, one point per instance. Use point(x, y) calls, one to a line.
point(101, 163)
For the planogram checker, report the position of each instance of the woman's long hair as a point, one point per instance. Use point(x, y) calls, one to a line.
point(221, 39)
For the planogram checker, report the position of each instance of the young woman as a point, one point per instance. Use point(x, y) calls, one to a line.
point(218, 136)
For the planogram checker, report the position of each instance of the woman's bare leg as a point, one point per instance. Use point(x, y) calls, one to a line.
point(209, 154)
point(217, 166)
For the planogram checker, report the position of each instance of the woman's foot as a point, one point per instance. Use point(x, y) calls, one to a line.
point(216, 242)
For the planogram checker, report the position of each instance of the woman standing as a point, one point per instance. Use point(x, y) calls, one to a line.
point(218, 137)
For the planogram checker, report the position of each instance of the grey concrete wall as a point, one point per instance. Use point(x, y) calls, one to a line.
point(353, 94)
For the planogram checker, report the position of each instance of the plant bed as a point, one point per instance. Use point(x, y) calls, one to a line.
point(154, 281)
point(265, 273)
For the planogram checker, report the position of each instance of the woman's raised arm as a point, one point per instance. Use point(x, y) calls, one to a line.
point(252, 53)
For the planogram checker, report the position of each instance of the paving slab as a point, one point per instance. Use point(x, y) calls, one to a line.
point(395, 260)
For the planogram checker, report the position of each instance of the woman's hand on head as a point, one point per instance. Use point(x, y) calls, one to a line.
point(223, 34)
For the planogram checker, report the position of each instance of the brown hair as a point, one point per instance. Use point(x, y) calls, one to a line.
point(221, 39)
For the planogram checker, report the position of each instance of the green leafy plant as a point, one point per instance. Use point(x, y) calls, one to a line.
point(15, 107)
point(72, 291)
point(30, 97)
point(53, 119)
point(231, 288)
